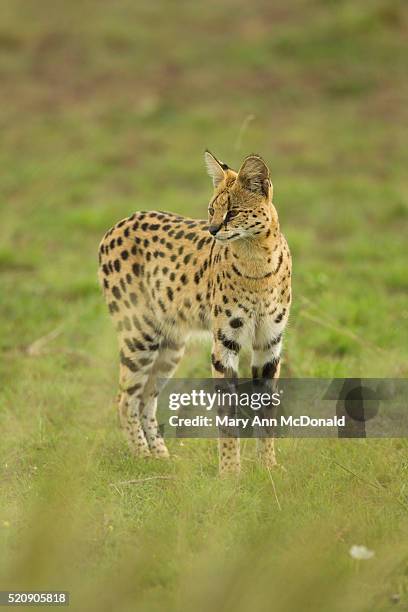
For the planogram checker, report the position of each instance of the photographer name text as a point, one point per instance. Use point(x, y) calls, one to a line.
point(255, 421)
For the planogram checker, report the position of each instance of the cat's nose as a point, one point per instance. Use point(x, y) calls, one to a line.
point(213, 229)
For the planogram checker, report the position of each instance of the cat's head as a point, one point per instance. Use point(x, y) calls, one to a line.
point(241, 206)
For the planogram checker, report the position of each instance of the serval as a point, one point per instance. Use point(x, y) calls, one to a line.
point(165, 276)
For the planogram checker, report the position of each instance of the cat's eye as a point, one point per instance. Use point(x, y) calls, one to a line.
point(230, 214)
point(211, 211)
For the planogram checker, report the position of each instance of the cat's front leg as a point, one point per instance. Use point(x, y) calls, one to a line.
point(225, 360)
point(266, 356)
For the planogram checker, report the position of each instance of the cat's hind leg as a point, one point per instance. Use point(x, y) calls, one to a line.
point(168, 358)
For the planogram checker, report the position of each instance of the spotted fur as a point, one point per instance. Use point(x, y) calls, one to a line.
point(164, 276)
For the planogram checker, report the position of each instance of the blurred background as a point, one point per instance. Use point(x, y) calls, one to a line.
point(106, 108)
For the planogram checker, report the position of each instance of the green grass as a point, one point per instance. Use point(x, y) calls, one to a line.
point(106, 108)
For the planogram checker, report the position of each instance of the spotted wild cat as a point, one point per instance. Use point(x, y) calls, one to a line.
point(164, 276)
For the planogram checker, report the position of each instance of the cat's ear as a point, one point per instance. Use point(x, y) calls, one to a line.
point(216, 169)
point(254, 175)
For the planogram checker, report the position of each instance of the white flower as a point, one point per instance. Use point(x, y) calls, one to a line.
point(361, 552)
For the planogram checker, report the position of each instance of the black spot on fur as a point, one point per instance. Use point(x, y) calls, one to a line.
point(269, 369)
point(132, 390)
point(279, 263)
point(217, 364)
point(128, 362)
point(231, 345)
point(116, 292)
point(144, 361)
point(279, 318)
point(113, 307)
